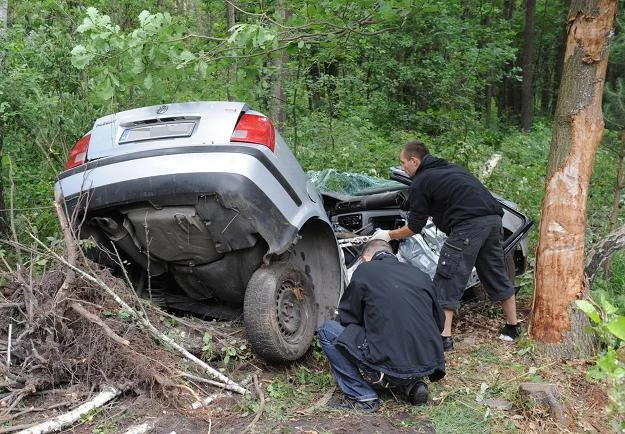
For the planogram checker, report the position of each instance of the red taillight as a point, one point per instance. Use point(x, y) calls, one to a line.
point(79, 153)
point(255, 129)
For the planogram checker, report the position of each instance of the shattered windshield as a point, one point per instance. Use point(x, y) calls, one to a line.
point(355, 184)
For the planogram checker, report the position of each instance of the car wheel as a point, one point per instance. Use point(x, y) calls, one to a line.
point(279, 312)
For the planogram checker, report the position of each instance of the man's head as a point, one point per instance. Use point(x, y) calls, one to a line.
point(412, 153)
point(373, 247)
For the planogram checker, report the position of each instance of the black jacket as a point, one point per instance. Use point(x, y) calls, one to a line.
point(448, 193)
point(392, 320)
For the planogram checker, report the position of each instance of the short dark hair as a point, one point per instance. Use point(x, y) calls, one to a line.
point(415, 149)
point(375, 246)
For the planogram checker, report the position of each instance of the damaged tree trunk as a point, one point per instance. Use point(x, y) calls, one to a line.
point(577, 132)
point(601, 252)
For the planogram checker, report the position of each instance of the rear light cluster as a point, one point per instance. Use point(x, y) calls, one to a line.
point(255, 129)
point(251, 128)
point(78, 155)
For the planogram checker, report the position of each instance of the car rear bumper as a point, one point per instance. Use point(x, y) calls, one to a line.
point(238, 178)
point(246, 161)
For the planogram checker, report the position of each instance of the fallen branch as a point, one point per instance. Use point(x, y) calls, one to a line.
point(203, 380)
point(319, 403)
point(96, 320)
point(229, 384)
point(205, 401)
point(70, 249)
point(64, 420)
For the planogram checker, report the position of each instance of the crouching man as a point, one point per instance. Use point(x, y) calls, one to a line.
point(387, 333)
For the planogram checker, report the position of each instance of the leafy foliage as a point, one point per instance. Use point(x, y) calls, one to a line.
point(609, 326)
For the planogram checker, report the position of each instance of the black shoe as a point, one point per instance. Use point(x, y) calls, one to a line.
point(448, 343)
point(510, 332)
point(347, 403)
point(417, 393)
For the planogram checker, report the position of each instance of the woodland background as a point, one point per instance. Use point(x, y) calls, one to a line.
point(346, 83)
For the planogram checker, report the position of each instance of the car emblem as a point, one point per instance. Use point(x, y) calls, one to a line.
point(162, 109)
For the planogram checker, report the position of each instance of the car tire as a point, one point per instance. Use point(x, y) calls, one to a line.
point(279, 312)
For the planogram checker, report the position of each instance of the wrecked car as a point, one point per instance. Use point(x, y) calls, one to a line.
point(358, 205)
point(209, 212)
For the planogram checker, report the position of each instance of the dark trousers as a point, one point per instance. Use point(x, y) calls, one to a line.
point(473, 242)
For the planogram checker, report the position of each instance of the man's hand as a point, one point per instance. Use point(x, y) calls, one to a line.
point(381, 235)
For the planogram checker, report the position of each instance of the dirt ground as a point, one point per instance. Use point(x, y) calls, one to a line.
point(61, 357)
point(483, 374)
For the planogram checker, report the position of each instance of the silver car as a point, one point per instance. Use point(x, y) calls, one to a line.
point(210, 212)
point(358, 205)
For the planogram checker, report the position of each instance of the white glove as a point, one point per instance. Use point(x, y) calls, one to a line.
point(381, 235)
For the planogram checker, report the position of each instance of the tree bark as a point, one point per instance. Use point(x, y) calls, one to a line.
point(505, 88)
point(280, 59)
point(602, 250)
point(577, 132)
point(4, 12)
point(527, 63)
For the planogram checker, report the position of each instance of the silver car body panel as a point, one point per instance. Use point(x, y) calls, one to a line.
point(215, 129)
point(248, 178)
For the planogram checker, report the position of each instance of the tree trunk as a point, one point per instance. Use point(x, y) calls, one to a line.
point(602, 251)
point(559, 66)
point(233, 68)
point(614, 214)
point(4, 12)
point(527, 63)
point(505, 94)
point(279, 61)
point(577, 132)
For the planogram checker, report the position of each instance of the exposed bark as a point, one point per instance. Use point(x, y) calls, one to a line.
point(70, 249)
point(527, 63)
point(82, 311)
point(578, 129)
point(64, 420)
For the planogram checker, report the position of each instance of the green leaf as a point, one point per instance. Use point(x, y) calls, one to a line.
point(186, 56)
point(202, 68)
point(104, 90)
point(80, 56)
point(137, 66)
point(589, 309)
point(617, 327)
point(148, 82)
point(144, 16)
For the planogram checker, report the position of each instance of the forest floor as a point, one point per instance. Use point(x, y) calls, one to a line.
point(483, 378)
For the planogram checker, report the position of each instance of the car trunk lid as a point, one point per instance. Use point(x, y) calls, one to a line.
point(164, 126)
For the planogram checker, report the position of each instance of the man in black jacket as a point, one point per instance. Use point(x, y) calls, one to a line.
point(387, 333)
point(471, 217)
